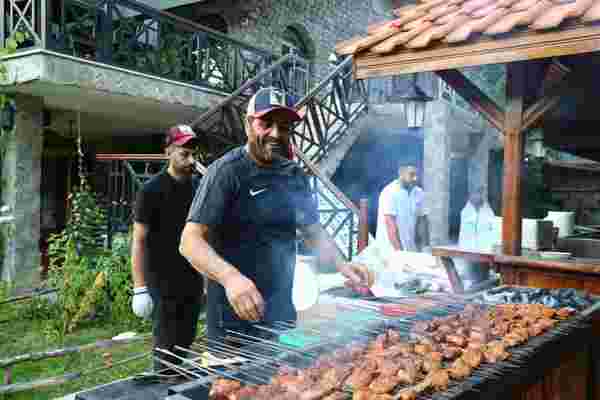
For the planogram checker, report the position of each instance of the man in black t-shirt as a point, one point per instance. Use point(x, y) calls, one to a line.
point(242, 225)
point(166, 287)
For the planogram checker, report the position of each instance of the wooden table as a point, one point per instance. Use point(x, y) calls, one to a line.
point(535, 272)
point(579, 371)
point(445, 255)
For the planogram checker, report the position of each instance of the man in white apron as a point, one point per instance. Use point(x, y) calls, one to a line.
point(476, 233)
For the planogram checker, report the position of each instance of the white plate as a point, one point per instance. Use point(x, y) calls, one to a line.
point(305, 292)
point(555, 255)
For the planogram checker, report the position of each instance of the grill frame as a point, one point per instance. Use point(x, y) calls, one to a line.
point(528, 363)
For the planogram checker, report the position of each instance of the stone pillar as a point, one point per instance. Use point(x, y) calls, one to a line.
point(21, 173)
point(436, 183)
point(480, 159)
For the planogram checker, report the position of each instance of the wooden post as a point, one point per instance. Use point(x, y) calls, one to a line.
point(513, 156)
point(363, 225)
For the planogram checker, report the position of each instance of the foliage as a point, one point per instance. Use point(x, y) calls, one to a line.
point(92, 281)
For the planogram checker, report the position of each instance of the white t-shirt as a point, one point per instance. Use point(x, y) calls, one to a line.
point(406, 207)
point(476, 227)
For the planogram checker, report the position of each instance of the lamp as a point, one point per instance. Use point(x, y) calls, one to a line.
point(7, 116)
point(413, 101)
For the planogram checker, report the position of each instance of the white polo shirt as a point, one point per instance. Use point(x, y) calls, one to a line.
point(406, 208)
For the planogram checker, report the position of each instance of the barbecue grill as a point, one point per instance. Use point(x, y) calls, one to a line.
point(287, 346)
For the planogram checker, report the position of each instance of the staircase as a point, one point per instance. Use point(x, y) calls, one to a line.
point(328, 111)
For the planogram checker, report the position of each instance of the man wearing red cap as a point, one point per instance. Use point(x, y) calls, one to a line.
point(241, 229)
point(166, 287)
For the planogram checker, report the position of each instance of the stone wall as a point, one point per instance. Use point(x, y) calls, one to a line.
point(323, 23)
point(21, 174)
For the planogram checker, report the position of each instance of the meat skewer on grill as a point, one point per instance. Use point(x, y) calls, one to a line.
point(374, 370)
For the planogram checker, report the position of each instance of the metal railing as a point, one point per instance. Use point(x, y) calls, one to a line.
point(328, 112)
point(118, 179)
point(329, 109)
point(134, 36)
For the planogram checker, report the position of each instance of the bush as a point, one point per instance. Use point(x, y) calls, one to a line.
point(92, 281)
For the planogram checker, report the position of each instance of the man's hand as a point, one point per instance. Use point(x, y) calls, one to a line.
point(358, 274)
point(243, 296)
point(141, 303)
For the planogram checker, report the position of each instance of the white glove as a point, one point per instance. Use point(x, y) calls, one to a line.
point(142, 304)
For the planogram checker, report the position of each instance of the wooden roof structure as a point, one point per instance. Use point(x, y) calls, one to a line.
point(540, 41)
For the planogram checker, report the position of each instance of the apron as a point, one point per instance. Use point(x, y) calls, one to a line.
point(260, 242)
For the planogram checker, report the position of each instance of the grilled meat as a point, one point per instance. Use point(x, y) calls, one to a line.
point(388, 367)
point(336, 376)
point(450, 352)
point(472, 357)
point(362, 375)
point(440, 379)
point(374, 369)
point(316, 393)
point(407, 375)
point(245, 393)
point(336, 396)
point(432, 362)
point(565, 312)
point(457, 340)
point(408, 394)
point(460, 369)
point(495, 351)
point(384, 384)
point(423, 348)
point(366, 394)
point(221, 388)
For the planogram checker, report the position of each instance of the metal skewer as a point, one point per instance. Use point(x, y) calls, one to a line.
point(276, 346)
point(184, 372)
point(229, 367)
point(244, 356)
point(246, 353)
point(203, 368)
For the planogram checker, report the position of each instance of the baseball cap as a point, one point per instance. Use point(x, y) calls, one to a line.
point(179, 135)
point(271, 99)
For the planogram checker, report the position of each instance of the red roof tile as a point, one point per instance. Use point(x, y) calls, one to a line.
point(454, 21)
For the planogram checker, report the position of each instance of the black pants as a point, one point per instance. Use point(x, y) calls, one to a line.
point(174, 324)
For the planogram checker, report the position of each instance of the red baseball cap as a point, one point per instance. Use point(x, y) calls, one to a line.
point(179, 135)
point(271, 99)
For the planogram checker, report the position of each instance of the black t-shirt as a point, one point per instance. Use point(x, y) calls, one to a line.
point(163, 204)
point(254, 212)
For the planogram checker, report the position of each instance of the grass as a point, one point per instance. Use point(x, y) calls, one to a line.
point(24, 336)
point(19, 335)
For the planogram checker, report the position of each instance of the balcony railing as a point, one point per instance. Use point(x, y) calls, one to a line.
point(131, 35)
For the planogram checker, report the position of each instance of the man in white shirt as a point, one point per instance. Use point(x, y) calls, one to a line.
point(476, 230)
point(401, 217)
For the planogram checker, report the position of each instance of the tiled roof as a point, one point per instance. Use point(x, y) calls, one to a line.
point(455, 21)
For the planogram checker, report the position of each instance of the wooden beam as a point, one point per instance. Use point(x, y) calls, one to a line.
point(363, 225)
point(474, 96)
point(561, 82)
point(569, 40)
point(513, 156)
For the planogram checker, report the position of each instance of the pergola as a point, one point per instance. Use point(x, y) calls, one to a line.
point(547, 46)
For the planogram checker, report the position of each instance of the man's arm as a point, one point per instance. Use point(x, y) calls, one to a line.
point(392, 231)
point(241, 291)
point(195, 247)
point(138, 254)
point(328, 253)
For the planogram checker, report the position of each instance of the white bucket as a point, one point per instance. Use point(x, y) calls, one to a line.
point(305, 292)
point(563, 220)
